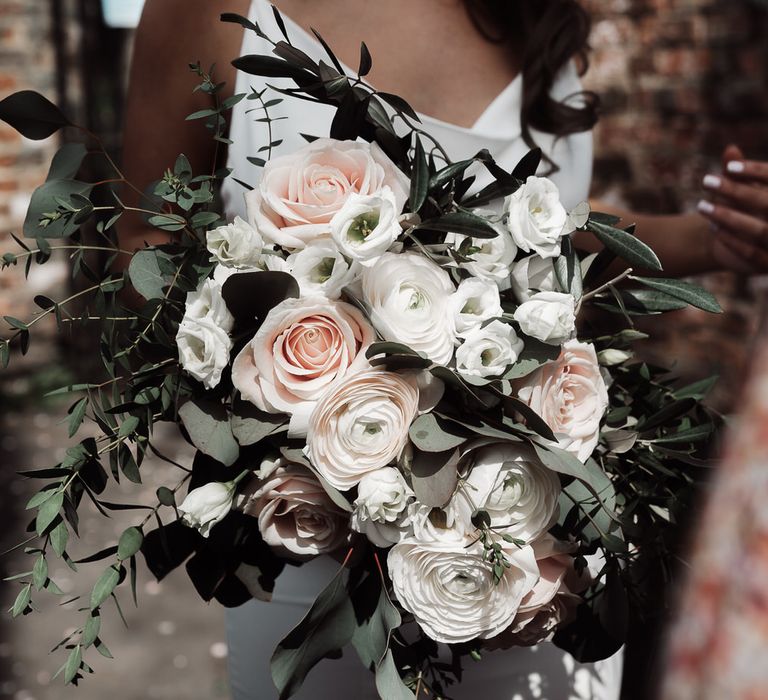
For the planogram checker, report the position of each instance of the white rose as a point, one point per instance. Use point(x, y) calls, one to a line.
point(302, 347)
point(299, 193)
point(491, 258)
point(533, 273)
point(207, 505)
point(320, 268)
point(366, 226)
point(518, 492)
point(207, 303)
point(235, 245)
point(295, 514)
point(571, 396)
point(360, 425)
point(474, 302)
point(536, 218)
point(450, 590)
point(381, 507)
point(548, 316)
point(408, 297)
point(488, 351)
point(203, 350)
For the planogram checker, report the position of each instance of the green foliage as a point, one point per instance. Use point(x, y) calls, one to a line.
point(32, 115)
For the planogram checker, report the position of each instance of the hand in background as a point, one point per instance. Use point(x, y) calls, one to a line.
point(737, 207)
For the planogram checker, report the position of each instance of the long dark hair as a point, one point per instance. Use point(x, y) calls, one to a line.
point(551, 33)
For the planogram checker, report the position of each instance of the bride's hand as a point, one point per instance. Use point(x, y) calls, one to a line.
point(737, 207)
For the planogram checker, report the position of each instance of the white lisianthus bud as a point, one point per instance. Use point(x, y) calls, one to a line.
point(533, 273)
point(408, 296)
point(235, 245)
point(207, 505)
point(536, 218)
point(548, 316)
point(366, 226)
point(203, 350)
point(612, 356)
point(381, 507)
point(320, 268)
point(489, 258)
point(474, 302)
point(488, 351)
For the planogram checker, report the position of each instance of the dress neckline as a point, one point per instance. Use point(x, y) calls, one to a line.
point(506, 94)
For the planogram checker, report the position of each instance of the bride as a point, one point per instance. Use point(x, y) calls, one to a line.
point(496, 74)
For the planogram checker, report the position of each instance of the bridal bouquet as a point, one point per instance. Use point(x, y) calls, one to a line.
point(382, 363)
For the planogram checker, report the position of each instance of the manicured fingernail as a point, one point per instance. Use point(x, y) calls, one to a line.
point(705, 207)
point(735, 166)
point(713, 182)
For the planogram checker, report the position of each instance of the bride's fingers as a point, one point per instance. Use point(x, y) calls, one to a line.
point(748, 228)
point(748, 169)
point(749, 197)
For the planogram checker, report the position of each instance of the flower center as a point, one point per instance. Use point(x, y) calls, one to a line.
point(362, 226)
point(323, 270)
point(487, 357)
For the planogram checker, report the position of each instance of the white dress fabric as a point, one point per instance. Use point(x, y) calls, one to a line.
point(254, 629)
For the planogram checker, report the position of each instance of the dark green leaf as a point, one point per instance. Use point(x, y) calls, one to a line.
point(76, 415)
point(697, 390)
point(696, 434)
point(73, 664)
point(250, 425)
point(45, 200)
point(59, 538)
point(22, 600)
point(40, 572)
point(534, 354)
point(388, 682)
point(430, 433)
point(251, 295)
point(91, 629)
point(326, 628)
point(376, 617)
point(146, 274)
point(130, 543)
point(167, 222)
point(434, 476)
point(67, 161)
point(463, 223)
point(48, 512)
point(625, 245)
point(165, 496)
point(273, 67)
point(210, 430)
point(685, 291)
point(419, 178)
point(104, 586)
point(32, 115)
point(389, 348)
point(528, 165)
point(365, 60)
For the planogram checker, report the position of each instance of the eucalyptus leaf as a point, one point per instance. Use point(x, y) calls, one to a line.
point(73, 664)
point(45, 201)
point(67, 161)
point(104, 586)
point(252, 295)
point(434, 476)
point(130, 543)
point(430, 433)
point(251, 425)
point(389, 685)
point(146, 274)
point(48, 512)
point(210, 430)
point(534, 355)
point(32, 115)
point(376, 617)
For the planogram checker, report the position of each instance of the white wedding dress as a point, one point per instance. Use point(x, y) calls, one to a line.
point(255, 628)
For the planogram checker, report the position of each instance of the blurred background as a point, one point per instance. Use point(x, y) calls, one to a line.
point(679, 80)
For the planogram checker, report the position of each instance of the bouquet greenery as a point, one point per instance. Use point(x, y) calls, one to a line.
point(384, 362)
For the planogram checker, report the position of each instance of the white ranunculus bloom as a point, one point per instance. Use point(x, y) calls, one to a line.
point(548, 316)
point(207, 505)
point(474, 302)
point(382, 505)
point(207, 303)
point(320, 268)
point(491, 258)
point(295, 513)
point(408, 297)
point(533, 273)
point(235, 245)
point(450, 589)
point(510, 483)
point(302, 347)
point(203, 350)
point(571, 396)
point(536, 218)
point(366, 226)
point(361, 424)
point(488, 351)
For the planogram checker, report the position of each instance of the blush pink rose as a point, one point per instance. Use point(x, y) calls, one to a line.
point(302, 347)
point(299, 193)
point(295, 514)
point(571, 396)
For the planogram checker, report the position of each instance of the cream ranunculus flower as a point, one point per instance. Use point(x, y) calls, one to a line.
point(203, 350)
point(408, 297)
point(295, 514)
point(367, 226)
point(382, 505)
point(488, 351)
point(302, 347)
point(536, 218)
point(300, 193)
point(473, 303)
point(207, 505)
point(571, 396)
point(361, 424)
point(320, 268)
point(236, 245)
point(548, 316)
point(450, 589)
point(510, 483)
point(533, 273)
point(491, 258)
